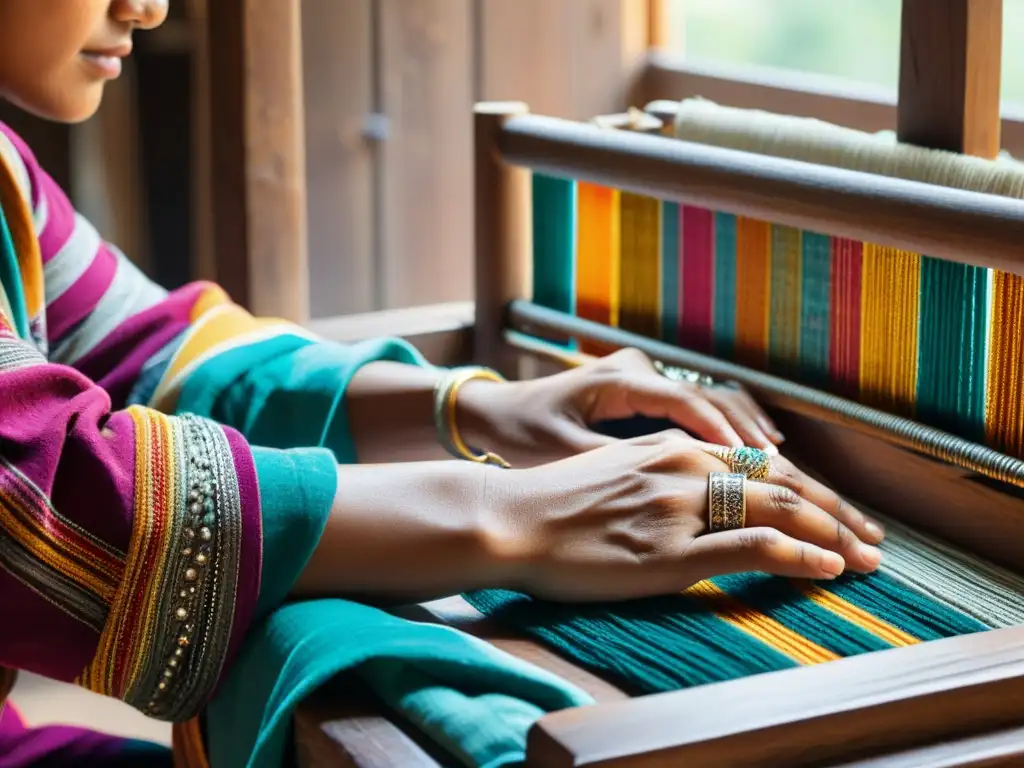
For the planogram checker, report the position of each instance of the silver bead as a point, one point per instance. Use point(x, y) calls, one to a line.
point(162, 686)
point(187, 551)
point(168, 673)
point(205, 534)
point(191, 574)
point(181, 614)
point(190, 534)
point(179, 652)
point(172, 663)
point(201, 558)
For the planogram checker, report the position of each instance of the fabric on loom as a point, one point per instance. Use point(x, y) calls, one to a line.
point(950, 355)
point(734, 626)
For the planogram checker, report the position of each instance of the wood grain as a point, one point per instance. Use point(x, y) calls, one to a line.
point(950, 63)
point(338, 64)
point(853, 708)
point(426, 82)
point(258, 154)
point(502, 235)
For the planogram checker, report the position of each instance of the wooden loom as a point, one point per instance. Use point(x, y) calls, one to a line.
point(950, 703)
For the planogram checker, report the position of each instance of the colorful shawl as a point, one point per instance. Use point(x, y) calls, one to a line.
point(145, 539)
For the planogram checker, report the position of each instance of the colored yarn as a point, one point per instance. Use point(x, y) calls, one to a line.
point(698, 269)
point(753, 289)
point(745, 624)
point(724, 309)
point(785, 295)
point(671, 275)
point(640, 267)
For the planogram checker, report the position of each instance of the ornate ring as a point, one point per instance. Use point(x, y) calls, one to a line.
point(727, 501)
point(753, 463)
point(683, 374)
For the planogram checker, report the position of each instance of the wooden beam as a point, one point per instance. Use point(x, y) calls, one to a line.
point(583, 54)
point(258, 154)
point(950, 62)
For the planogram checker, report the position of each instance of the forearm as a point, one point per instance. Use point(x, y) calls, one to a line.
point(407, 532)
point(391, 412)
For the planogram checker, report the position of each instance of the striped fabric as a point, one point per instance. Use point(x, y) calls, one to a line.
point(122, 531)
point(735, 626)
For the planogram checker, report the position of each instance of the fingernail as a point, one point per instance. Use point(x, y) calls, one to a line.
point(771, 450)
point(872, 555)
point(832, 564)
point(779, 437)
point(874, 531)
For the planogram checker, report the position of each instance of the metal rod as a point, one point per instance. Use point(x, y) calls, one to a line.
point(528, 318)
point(955, 225)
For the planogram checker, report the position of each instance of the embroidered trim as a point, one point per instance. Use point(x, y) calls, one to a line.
point(164, 646)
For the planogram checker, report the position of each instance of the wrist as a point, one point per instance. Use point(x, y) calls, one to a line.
point(478, 410)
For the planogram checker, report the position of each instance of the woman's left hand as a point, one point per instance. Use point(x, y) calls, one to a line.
point(540, 420)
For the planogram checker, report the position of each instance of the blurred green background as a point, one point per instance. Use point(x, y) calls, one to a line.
point(853, 39)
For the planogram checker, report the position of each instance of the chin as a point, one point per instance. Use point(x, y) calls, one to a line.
point(75, 107)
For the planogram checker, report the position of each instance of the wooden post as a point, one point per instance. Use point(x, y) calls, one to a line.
point(502, 234)
point(950, 62)
point(258, 154)
point(658, 32)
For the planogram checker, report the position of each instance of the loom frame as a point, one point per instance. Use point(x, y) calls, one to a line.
point(944, 703)
point(929, 701)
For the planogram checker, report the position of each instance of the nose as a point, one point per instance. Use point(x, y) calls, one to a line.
point(144, 14)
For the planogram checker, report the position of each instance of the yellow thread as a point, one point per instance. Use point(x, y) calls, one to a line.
point(890, 291)
point(857, 616)
point(785, 298)
point(764, 628)
point(640, 285)
point(1004, 420)
point(753, 291)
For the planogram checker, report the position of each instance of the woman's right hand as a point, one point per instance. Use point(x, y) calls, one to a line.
point(629, 520)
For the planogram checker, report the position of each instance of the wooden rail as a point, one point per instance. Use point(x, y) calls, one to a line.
point(965, 227)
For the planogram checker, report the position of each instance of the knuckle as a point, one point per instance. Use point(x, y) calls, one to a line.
point(630, 357)
point(789, 476)
point(783, 500)
point(759, 539)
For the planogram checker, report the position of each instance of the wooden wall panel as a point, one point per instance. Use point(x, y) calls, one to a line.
point(425, 76)
point(338, 56)
point(569, 59)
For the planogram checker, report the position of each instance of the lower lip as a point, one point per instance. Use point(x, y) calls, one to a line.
point(106, 66)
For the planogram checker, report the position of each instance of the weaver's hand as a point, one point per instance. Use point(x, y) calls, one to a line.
point(541, 420)
point(631, 520)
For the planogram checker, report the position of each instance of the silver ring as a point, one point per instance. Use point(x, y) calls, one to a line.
point(727, 501)
point(676, 373)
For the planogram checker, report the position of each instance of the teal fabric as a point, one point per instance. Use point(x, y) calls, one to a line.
point(478, 703)
point(471, 698)
point(10, 279)
point(288, 391)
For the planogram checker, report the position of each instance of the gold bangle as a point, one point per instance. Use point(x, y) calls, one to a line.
point(445, 398)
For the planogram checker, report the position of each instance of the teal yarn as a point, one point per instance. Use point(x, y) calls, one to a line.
point(952, 331)
point(10, 280)
point(781, 600)
point(671, 281)
point(784, 299)
point(644, 646)
point(724, 310)
point(816, 303)
point(914, 613)
point(554, 243)
point(674, 642)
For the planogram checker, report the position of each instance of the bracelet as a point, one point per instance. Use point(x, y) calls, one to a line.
point(446, 395)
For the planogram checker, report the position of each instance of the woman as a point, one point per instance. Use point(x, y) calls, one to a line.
point(173, 470)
